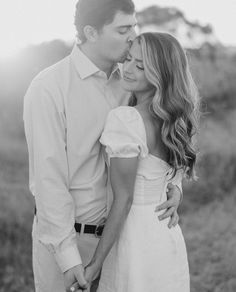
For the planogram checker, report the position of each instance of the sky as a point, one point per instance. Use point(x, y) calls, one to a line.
point(24, 22)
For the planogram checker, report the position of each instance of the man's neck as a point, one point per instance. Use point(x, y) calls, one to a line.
point(92, 54)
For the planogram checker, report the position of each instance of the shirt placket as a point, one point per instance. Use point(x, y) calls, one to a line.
point(107, 89)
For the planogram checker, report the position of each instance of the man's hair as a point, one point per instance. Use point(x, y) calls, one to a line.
point(98, 13)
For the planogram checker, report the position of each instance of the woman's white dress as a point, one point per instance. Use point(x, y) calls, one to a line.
point(148, 256)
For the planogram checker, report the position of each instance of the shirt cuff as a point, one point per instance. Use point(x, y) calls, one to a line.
point(68, 258)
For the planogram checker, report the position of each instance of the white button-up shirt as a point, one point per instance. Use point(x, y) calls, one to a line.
point(65, 109)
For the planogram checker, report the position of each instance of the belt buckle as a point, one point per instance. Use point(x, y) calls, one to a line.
point(98, 230)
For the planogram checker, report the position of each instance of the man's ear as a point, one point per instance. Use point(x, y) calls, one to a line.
point(90, 33)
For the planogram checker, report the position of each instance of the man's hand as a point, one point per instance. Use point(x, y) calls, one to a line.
point(174, 196)
point(74, 278)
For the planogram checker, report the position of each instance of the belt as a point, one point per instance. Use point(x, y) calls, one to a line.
point(88, 229)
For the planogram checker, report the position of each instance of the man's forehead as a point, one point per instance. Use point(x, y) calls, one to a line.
point(123, 19)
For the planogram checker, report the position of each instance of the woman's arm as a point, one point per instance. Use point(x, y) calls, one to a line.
point(123, 173)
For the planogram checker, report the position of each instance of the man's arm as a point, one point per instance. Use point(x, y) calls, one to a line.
point(123, 174)
point(46, 138)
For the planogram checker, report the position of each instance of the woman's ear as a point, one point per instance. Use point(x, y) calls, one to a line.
point(90, 33)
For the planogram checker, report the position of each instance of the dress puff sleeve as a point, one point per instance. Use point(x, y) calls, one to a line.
point(124, 134)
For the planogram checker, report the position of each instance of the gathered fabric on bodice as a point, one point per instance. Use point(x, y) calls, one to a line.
point(151, 182)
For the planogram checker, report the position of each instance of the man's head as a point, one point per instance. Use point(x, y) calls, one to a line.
point(108, 25)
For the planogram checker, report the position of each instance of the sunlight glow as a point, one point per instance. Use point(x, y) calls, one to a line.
point(24, 22)
point(30, 22)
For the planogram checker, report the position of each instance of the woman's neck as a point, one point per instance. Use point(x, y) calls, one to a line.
point(143, 101)
point(144, 97)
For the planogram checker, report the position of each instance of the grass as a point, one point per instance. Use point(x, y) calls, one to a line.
point(16, 212)
point(210, 234)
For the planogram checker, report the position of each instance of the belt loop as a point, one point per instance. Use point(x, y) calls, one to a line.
point(82, 229)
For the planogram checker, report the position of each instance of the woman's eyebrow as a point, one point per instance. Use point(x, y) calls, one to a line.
point(138, 60)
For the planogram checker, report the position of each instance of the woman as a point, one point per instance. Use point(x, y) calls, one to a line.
point(149, 144)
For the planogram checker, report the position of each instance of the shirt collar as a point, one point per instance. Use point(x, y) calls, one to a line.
point(85, 67)
point(116, 71)
point(120, 69)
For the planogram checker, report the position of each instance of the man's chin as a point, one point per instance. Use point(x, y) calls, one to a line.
point(123, 57)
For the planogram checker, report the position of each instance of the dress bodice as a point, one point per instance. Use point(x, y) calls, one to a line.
point(152, 178)
point(124, 136)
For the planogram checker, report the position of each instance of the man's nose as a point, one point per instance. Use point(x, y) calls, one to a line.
point(132, 35)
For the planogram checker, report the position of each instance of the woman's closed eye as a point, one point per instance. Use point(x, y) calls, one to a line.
point(140, 68)
point(128, 59)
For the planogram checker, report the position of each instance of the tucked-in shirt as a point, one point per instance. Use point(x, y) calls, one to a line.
point(65, 109)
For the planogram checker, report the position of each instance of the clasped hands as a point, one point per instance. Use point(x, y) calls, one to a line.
point(79, 279)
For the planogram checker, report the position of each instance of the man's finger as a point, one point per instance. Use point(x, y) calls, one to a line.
point(165, 205)
point(167, 214)
point(173, 220)
point(176, 221)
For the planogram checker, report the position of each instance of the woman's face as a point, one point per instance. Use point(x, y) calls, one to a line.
point(134, 78)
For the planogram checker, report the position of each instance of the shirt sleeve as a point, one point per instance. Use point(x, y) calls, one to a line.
point(45, 132)
point(123, 134)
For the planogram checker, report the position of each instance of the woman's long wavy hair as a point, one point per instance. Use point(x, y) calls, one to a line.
point(176, 100)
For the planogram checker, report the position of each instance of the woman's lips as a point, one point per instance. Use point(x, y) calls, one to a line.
point(128, 79)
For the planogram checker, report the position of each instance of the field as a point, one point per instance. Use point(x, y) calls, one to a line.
point(207, 213)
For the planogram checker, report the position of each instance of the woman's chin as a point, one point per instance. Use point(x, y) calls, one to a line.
point(127, 86)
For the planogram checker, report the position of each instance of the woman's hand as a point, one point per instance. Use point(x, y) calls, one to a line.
point(91, 272)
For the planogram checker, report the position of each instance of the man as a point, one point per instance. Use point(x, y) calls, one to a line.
point(65, 109)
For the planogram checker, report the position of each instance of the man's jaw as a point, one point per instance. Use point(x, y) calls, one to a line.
point(123, 57)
